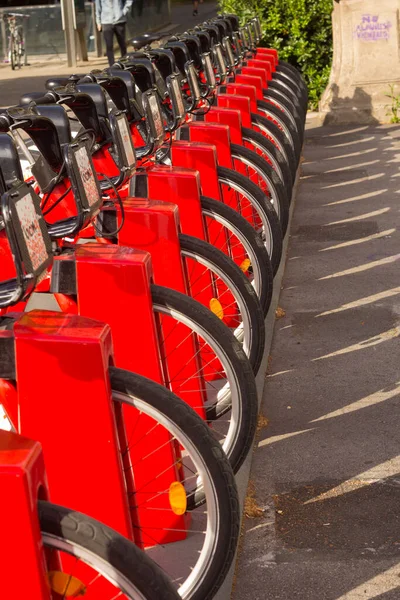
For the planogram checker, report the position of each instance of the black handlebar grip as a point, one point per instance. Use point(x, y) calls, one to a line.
point(55, 82)
point(37, 98)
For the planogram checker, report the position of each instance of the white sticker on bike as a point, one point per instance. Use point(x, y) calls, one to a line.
point(126, 141)
point(156, 114)
point(195, 81)
point(178, 95)
point(87, 176)
point(229, 52)
point(31, 231)
point(220, 60)
point(209, 70)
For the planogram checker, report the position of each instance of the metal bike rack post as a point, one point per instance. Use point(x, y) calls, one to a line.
point(3, 35)
point(69, 27)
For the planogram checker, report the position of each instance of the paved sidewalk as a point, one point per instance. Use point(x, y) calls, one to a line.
point(32, 79)
point(326, 469)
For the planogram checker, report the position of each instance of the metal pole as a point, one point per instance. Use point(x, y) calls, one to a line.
point(69, 26)
point(97, 34)
point(4, 37)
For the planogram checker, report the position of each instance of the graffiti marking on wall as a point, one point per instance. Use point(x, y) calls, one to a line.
point(371, 29)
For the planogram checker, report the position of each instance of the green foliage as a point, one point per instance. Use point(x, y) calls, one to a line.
point(393, 113)
point(301, 31)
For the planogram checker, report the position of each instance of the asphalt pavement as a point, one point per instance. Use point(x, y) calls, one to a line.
point(325, 514)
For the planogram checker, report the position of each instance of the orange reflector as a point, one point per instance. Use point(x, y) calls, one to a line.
point(216, 308)
point(177, 498)
point(245, 265)
point(65, 584)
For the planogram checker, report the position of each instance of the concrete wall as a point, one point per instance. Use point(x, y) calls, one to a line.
point(366, 61)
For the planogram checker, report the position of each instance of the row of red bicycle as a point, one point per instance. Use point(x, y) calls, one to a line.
point(143, 210)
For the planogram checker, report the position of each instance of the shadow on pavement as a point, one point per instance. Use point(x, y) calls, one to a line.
point(327, 468)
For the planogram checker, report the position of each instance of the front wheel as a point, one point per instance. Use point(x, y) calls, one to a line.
point(264, 176)
point(265, 148)
point(254, 205)
point(218, 371)
point(273, 133)
point(230, 232)
point(96, 560)
point(14, 56)
point(233, 298)
point(192, 497)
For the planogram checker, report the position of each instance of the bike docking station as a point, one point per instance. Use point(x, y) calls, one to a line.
point(181, 186)
point(62, 344)
point(202, 157)
point(151, 226)
point(22, 483)
point(219, 135)
point(113, 282)
point(238, 90)
point(54, 348)
point(225, 116)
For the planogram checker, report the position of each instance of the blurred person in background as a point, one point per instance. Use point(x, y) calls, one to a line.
point(111, 20)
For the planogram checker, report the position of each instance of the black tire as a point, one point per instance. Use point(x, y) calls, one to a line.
point(241, 229)
point(283, 85)
point(214, 462)
point(269, 129)
point(287, 106)
point(284, 123)
point(124, 561)
point(291, 72)
point(281, 93)
point(13, 54)
point(236, 362)
point(275, 156)
point(289, 83)
point(276, 188)
point(240, 287)
point(263, 207)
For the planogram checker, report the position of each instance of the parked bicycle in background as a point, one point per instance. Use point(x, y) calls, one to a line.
point(16, 42)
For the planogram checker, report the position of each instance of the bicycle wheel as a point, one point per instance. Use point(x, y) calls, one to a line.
point(287, 106)
point(228, 231)
point(272, 132)
point(254, 204)
point(199, 562)
point(97, 560)
point(275, 114)
point(264, 176)
point(21, 48)
point(221, 374)
point(283, 85)
point(288, 72)
point(234, 299)
point(14, 59)
point(281, 94)
point(264, 147)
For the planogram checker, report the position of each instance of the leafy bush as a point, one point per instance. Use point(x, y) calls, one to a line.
point(301, 31)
